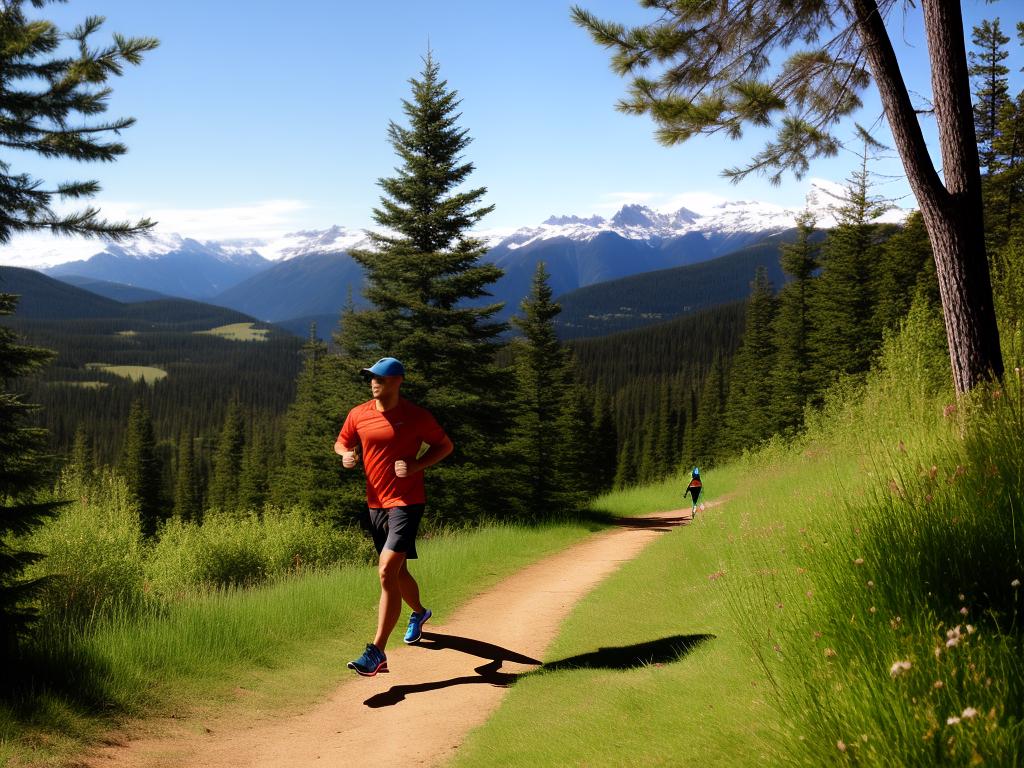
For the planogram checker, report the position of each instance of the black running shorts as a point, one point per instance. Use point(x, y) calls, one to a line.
point(394, 528)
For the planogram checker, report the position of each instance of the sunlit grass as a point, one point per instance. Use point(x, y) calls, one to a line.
point(147, 373)
point(238, 332)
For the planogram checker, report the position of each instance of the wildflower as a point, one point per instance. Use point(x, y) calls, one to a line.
point(928, 498)
point(777, 648)
point(859, 561)
point(899, 668)
point(968, 713)
point(970, 629)
point(779, 606)
point(830, 654)
point(933, 472)
point(997, 394)
point(716, 575)
point(871, 584)
point(864, 738)
point(872, 609)
point(963, 611)
point(953, 637)
point(841, 745)
point(938, 651)
point(938, 683)
point(810, 594)
point(962, 597)
point(902, 447)
point(1015, 583)
point(949, 410)
point(817, 635)
point(952, 720)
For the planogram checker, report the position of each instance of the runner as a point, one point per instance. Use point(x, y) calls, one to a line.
point(392, 431)
point(694, 489)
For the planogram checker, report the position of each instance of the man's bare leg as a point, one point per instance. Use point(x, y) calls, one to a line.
point(390, 568)
point(410, 589)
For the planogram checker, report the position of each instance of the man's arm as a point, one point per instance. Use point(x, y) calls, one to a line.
point(434, 454)
point(348, 455)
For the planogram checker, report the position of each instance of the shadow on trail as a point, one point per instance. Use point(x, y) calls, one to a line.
point(598, 520)
point(663, 651)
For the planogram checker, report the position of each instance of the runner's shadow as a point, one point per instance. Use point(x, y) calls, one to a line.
point(663, 651)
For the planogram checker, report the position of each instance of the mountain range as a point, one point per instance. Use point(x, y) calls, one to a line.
point(308, 276)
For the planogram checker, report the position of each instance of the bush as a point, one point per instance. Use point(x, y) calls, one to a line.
point(94, 551)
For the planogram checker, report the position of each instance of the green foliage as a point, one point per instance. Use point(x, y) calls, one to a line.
point(141, 468)
point(311, 476)
point(187, 498)
point(790, 382)
point(991, 92)
point(94, 552)
point(49, 100)
point(227, 461)
point(23, 467)
point(749, 416)
point(232, 551)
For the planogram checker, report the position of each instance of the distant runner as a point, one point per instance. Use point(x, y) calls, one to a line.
point(392, 432)
point(694, 489)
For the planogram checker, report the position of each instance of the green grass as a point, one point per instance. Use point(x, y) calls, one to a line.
point(852, 602)
point(238, 332)
point(284, 644)
point(147, 373)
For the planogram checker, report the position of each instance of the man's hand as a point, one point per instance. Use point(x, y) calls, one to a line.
point(401, 468)
point(349, 459)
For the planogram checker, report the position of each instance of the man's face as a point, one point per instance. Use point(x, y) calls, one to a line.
point(384, 386)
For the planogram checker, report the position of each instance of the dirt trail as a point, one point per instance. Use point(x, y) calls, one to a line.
point(437, 691)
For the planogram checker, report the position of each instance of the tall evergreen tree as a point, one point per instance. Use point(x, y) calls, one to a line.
point(991, 92)
point(705, 446)
point(48, 99)
point(904, 268)
point(749, 417)
point(227, 461)
point(311, 477)
point(187, 503)
point(543, 376)
point(427, 283)
point(141, 468)
point(82, 462)
point(23, 473)
point(254, 474)
point(791, 383)
point(844, 334)
point(604, 454)
point(800, 67)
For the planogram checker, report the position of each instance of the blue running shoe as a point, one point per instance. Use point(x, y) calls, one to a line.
point(416, 622)
point(371, 662)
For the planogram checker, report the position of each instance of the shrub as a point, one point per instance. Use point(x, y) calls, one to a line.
point(94, 551)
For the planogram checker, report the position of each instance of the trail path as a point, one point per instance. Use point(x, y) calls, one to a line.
point(437, 691)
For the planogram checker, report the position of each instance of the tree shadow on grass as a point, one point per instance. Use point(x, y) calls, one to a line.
point(663, 651)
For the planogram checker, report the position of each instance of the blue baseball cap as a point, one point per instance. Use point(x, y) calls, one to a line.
point(696, 472)
point(386, 366)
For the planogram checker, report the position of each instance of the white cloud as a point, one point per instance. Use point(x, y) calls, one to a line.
point(264, 220)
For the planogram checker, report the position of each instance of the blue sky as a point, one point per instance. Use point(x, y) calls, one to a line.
point(263, 117)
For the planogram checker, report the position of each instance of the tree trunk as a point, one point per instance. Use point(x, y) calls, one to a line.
point(952, 213)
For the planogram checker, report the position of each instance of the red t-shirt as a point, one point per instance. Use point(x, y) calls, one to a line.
point(387, 436)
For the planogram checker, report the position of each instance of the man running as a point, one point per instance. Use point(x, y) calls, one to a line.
point(392, 432)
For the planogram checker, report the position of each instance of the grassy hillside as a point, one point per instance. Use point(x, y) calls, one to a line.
point(854, 598)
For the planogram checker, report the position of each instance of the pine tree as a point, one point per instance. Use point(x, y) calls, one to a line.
point(187, 504)
point(749, 417)
point(227, 461)
point(427, 285)
point(800, 68)
point(844, 336)
point(48, 97)
point(705, 446)
point(141, 469)
point(904, 268)
point(576, 483)
point(604, 454)
point(23, 473)
point(254, 475)
point(82, 462)
point(790, 382)
point(992, 89)
point(311, 477)
point(543, 375)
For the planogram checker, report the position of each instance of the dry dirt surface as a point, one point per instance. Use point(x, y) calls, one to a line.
point(436, 692)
